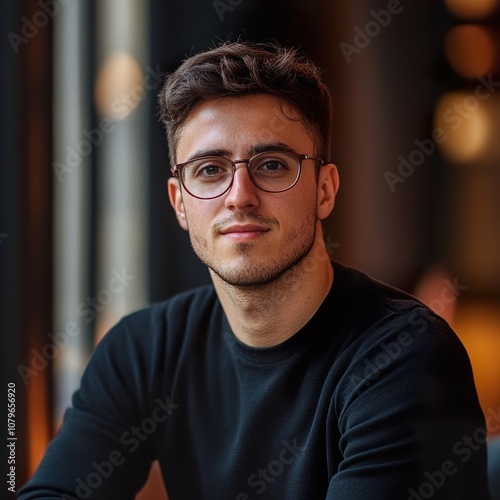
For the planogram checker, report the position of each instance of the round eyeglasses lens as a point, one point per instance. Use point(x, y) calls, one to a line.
point(274, 172)
point(207, 177)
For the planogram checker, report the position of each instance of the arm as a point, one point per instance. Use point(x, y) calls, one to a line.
point(409, 421)
point(102, 450)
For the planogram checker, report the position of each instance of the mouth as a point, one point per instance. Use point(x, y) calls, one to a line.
point(244, 231)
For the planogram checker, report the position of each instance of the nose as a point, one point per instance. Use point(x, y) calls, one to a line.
point(243, 192)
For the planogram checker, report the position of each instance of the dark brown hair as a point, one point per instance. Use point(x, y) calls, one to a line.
point(242, 68)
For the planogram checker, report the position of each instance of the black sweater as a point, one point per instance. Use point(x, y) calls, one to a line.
point(373, 399)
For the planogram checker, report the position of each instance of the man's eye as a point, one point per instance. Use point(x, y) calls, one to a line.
point(209, 170)
point(272, 165)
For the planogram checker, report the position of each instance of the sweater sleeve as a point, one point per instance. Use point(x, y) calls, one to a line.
point(104, 448)
point(409, 424)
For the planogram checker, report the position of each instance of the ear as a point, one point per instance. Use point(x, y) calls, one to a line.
point(328, 185)
point(175, 197)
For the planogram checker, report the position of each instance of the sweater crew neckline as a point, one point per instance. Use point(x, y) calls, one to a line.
point(302, 339)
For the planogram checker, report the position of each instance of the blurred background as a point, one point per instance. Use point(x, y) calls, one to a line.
point(86, 231)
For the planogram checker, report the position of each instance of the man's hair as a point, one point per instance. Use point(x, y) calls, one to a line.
point(236, 69)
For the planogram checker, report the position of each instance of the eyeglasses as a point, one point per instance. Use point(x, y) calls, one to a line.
point(208, 177)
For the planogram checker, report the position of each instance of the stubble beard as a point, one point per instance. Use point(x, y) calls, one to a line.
point(256, 274)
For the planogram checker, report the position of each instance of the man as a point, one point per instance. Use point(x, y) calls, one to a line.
point(291, 377)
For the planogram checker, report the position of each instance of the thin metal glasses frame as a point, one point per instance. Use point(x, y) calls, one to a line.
point(177, 170)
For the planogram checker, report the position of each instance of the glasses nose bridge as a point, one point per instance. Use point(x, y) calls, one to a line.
point(235, 162)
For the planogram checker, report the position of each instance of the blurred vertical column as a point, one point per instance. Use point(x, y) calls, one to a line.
point(468, 115)
point(122, 84)
point(72, 199)
point(380, 99)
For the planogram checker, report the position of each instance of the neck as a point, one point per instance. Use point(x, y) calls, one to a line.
point(266, 315)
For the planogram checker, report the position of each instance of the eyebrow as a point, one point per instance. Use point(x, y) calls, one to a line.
point(209, 152)
point(259, 148)
point(271, 146)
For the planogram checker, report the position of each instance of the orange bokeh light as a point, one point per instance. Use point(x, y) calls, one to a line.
point(470, 50)
point(466, 123)
point(119, 86)
point(471, 9)
point(478, 326)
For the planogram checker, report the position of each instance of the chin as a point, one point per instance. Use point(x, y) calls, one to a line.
point(246, 280)
point(256, 274)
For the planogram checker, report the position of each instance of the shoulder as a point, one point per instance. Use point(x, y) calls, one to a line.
point(139, 354)
point(168, 315)
point(380, 308)
point(373, 293)
point(404, 395)
point(147, 337)
point(394, 336)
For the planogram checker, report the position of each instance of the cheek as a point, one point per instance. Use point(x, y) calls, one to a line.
point(296, 217)
point(199, 215)
point(301, 205)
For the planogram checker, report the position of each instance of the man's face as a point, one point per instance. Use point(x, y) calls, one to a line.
point(248, 236)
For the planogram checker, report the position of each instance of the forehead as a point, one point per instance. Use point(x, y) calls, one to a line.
point(239, 124)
